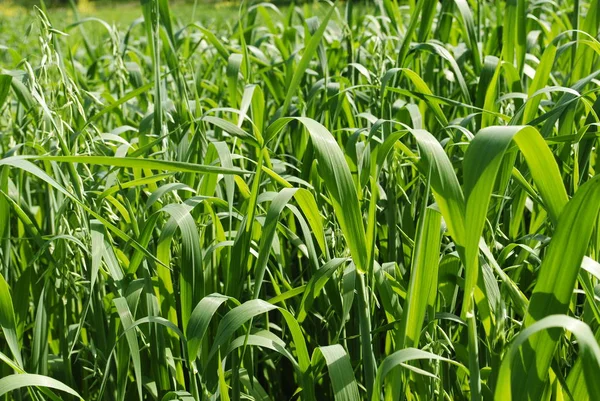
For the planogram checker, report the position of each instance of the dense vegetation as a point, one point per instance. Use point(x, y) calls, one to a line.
point(63, 3)
point(395, 201)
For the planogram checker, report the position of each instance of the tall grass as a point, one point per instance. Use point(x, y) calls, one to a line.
point(379, 201)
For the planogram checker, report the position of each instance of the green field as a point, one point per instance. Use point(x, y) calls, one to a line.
point(121, 14)
point(379, 200)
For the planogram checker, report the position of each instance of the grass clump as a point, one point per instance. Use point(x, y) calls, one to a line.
point(376, 201)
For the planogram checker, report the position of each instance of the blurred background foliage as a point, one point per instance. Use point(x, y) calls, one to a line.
point(123, 12)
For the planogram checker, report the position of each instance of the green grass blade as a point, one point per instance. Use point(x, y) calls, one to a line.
point(17, 381)
point(235, 318)
point(482, 164)
point(309, 52)
point(423, 278)
point(7, 321)
point(5, 81)
point(340, 372)
point(399, 358)
point(131, 162)
point(134, 348)
point(588, 349)
point(199, 321)
point(556, 281)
